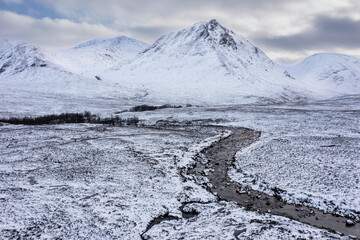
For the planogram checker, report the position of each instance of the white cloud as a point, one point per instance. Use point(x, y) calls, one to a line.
point(50, 32)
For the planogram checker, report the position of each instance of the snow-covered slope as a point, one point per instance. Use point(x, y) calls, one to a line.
point(94, 56)
point(202, 64)
point(27, 67)
point(16, 56)
point(328, 74)
point(34, 82)
point(205, 63)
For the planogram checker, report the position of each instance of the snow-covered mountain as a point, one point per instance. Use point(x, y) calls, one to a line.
point(16, 57)
point(27, 67)
point(328, 74)
point(93, 56)
point(37, 81)
point(202, 64)
point(97, 55)
point(205, 63)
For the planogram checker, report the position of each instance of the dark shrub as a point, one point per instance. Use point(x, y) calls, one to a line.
point(143, 108)
point(63, 118)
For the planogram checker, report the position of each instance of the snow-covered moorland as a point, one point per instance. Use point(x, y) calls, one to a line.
point(309, 151)
point(86, 181)
point(227, 221)
point(314, 170)
point(92, 181)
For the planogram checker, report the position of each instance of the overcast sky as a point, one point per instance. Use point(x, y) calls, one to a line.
point(287, 30)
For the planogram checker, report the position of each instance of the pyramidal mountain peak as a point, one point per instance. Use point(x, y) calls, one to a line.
point(204, 56)
point(204, 37)
point(211, 33)
point(216, 33)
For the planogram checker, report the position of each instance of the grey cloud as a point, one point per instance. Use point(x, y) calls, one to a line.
point(58, 32)
point(147, 20)
point(326, 32)
point(111, 8)
point(143, 32)
point(172, 13)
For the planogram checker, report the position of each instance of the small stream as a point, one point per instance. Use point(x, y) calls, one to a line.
point(222, 155)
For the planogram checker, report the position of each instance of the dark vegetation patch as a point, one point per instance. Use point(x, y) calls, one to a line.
point(143, 108)
point(64, 118)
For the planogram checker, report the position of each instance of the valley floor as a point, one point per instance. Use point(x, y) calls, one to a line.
point(99, 182)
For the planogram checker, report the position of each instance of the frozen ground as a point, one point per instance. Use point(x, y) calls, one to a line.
point(310, 151)
point(83, 181)
point(90, 181)
point(320, 171)
point(227, 221)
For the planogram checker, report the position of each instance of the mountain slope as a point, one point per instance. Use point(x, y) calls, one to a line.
point(97, 55)
point(16, 56)
point(328, 73)
point(33, 82)
point(93, 56)
point(204, 63)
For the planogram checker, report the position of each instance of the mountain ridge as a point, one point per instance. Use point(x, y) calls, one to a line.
point(107, 41)
point(204, 64)
point(17, 56)
point(331, 73)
